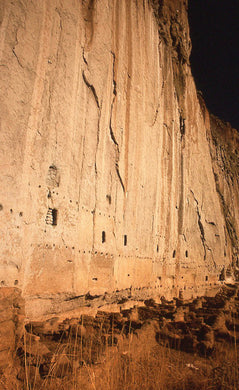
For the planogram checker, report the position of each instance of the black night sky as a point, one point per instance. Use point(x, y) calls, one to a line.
point(214, 29)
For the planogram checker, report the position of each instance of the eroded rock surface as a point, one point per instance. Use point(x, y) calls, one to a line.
point(114, 176)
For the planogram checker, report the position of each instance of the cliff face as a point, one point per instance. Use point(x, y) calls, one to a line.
point(114, 176)
point(224, 147)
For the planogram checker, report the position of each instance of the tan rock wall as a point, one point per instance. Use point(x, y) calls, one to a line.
point(224, 146)
point(102, 132)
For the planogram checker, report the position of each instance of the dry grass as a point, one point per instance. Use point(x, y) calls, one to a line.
point(135, 362)
point(103, 354)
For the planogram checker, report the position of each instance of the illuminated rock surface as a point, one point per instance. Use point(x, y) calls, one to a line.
point(116, 181)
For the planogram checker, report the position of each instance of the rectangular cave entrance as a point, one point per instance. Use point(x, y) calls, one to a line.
point(125, 240)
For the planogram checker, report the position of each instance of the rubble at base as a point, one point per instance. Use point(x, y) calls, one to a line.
point(60, 344)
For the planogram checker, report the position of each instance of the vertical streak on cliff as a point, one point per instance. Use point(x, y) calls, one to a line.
point(128, 90)
point(38, 84)
point(88, 11)
point(163, 186)
point(96, 99)
point(181, 198)
point(173, 202)
point(167, 156)
point(115, 48)
point(38, 89)
point(161, 134)
point(181, 194)
point(200, 226)
point(75, 85)
point(3, 30)
point(179, 75)
point(75, 133)
point(155, 124)
point(113, 110)
point(169, 175)
point(181, 103)
point(158, 228)
point(111, 128)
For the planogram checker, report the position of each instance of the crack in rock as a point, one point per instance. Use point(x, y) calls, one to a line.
point(113, 138)
point(92, 88)
point(200, 225)
point(83, 55)
point(14, 53)
point(155, 115)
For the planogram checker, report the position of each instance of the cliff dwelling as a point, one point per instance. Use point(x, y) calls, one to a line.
point(118, 186)
point(105, 135)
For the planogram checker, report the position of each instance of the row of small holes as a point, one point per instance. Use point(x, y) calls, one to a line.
point(3, 283)
point(102, 253)
point(96, 252)
point(103, 233)
point(156, 287)
point(83, 207)
point(11, 211)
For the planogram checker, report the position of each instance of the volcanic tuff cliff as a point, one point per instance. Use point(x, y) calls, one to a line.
point(116, 181)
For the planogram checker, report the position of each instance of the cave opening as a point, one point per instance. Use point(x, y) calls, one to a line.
point(125, 240)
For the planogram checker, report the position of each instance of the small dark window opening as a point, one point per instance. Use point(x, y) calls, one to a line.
point(174, 254)
point(51, 217)
point(125, 240)
point(103, 237)
point(206, 278)
point(54, 217)
point(108, 197)
point(157, 248)
point(186, 253)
